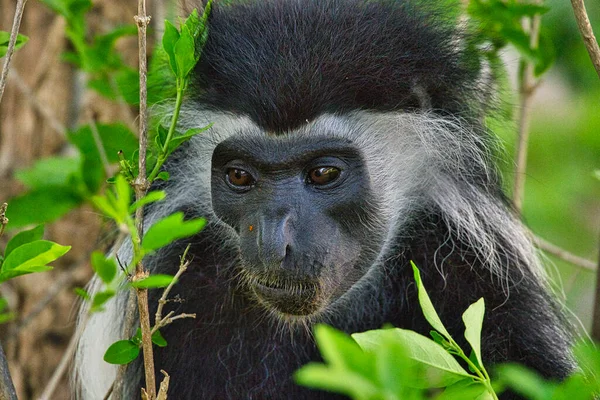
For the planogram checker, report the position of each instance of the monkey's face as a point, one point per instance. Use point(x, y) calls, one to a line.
point(305, 214)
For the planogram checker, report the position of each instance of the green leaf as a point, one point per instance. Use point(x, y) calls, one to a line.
point(169, 229)
point(104, 205)
point(101, 298)
point(122, 352)
point(42, 205)
point(178, 140)
point(525, 382)
point(170, 38)
point(158, 339)
point(473, 319)
point(421, 349)
point(82, 293)
point(33, 254)
point(7, 317)
point(104, 267)
point(24, 237)
point(52, 171)
point(151, 197)
point(464, 389)
point(343, 381)
point(546, 54)
point(13, 273)
point(427, 306)
point(161, 136)
point(123, 195)
point(5, 39)
point(153, 281)
point(341, 351)
point(113, 137)
point(163, 176)
point(185, 53)
point(396, 371)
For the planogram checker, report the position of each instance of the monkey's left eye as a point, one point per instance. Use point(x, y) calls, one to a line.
point(322, 175)
point(240, 178)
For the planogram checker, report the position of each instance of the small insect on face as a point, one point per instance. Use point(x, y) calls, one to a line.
point(304, 214)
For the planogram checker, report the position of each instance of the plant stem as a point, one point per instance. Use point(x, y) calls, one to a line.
point(141, 186)
point(3, 219)
point(11, 44)
point(585, 27)
point(527, 87)
point(163, 154)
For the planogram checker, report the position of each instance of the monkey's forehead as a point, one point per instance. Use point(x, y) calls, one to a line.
point(283, 62)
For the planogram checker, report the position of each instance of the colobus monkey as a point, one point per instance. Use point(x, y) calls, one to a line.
point(346, 141)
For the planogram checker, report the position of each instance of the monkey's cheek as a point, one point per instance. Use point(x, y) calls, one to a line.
point(301, 300)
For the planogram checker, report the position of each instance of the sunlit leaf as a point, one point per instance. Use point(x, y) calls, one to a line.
point(24, 237)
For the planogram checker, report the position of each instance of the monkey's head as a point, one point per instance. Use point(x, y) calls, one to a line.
point(320, 155)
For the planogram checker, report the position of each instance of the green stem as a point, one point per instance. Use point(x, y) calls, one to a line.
point(484, 378)
point(163, 154)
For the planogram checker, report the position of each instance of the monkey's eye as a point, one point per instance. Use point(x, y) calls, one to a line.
point(322, 175)
point(239, 178)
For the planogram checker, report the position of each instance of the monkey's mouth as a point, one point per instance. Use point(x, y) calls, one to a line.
point(288, 298)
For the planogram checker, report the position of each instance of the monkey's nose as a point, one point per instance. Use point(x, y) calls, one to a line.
point(274, 243)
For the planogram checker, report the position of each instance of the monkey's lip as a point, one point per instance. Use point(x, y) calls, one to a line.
point(288, 299)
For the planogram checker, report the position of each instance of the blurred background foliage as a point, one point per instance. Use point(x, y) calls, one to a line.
point(562, 193)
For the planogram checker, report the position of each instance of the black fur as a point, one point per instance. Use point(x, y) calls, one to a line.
point(285, 62)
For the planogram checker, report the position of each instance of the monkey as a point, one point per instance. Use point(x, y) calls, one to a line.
point(347, 140)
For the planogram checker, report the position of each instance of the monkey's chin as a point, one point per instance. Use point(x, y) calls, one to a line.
point(295, 300)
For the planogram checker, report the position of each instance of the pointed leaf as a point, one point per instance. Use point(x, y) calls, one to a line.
point(473, 319)
point(427, 306)
point(170, 38)
point(104, 267)
point(158, 339)
point(153, 281)
point(24, 237)
point(37, 253)
point(13, 273)
point(5, 38)
point(151, 197)
point(101, 298)
point(169, 229)
point(341, 351)
point(420, 349)
point(336, 380)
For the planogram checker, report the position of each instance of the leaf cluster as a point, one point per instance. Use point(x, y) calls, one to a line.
point(401, 364)
point(500, 22)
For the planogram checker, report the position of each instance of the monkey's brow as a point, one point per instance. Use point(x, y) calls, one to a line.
point(279, 153)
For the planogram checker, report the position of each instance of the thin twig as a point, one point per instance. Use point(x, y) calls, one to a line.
point(564, 255)
point(585, 27)
point(527, 87)
point(141, 186)
point(99, 145)
point(11, 44)
point(3, 219)
point(183, 265)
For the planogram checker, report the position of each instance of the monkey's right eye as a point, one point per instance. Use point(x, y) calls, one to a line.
point(240, 178)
